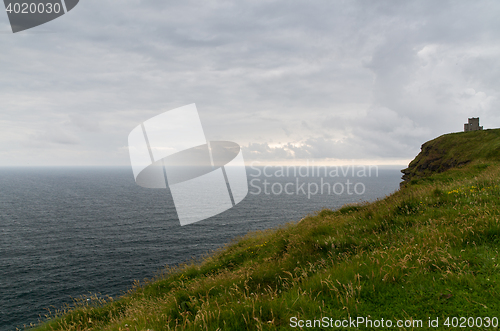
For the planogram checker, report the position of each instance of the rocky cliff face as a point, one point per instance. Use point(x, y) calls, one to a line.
point(453, 150)
point(429, 160)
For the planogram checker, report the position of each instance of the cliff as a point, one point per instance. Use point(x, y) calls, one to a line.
point(451, 151)
point(430, 251)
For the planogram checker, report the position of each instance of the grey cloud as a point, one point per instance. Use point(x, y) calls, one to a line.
point(325, 78)
point(55, 135)
point(85, 123)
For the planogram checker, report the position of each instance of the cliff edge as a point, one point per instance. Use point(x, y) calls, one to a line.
point(452, 150)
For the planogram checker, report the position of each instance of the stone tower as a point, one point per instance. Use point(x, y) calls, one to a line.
point(473, 125)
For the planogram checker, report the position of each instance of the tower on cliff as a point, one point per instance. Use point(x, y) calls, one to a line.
point(473, 125)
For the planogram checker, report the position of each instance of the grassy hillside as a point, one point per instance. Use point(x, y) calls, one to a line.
point(430, 250)
point(453, 150)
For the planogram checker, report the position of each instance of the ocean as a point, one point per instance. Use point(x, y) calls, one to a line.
point(66, 232)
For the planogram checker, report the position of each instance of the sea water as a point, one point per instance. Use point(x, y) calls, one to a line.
point(67, 232)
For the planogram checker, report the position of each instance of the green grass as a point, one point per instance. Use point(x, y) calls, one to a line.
point(429, 250)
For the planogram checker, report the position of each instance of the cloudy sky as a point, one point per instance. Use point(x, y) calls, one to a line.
point(363, 81)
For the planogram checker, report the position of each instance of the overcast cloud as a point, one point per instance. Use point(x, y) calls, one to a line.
point(368, 81)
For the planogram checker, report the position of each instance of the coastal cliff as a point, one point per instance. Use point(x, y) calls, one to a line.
point(451, 151)
point(428, 252)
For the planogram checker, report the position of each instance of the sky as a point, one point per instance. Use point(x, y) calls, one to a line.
point(331, 82)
